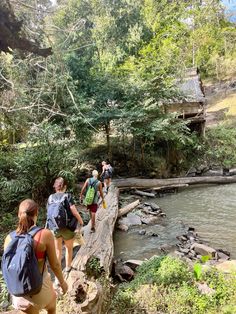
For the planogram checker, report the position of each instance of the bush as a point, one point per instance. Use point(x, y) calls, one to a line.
point(167, 285)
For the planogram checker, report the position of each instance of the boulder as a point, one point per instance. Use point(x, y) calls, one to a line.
point(122, 227)
point(153, 234)
point(213, 173)
point(227, 266)
point(222, 257)
point(142, 232)
point(205, 289)
point(166, 248)
point(149, 220)
point(155, 207)
point(232, 172)
point(124, 272)
point(130, 220)
point(204, 250)
point(191, 172)
point(133, 263)
point(183, 250)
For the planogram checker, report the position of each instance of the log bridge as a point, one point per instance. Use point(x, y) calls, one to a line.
point(93, 261)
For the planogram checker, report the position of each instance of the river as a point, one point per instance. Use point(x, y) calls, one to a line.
point(210, 209)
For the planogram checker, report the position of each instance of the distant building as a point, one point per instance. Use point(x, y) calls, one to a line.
point(191, 103)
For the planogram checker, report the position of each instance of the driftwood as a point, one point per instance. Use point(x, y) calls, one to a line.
point(93, 260)
point(171, 186)
point(129, 183)
point(125, 210)
point(141, 193)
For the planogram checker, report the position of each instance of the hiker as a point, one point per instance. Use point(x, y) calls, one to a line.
point(43, 247)
point(63, 225)
point(93, 188)
point(106, 175)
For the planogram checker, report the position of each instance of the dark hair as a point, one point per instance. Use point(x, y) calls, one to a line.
point(59, 184)
point(28, 209)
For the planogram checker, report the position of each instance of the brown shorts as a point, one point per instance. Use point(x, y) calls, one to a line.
point(93, 208)
point(38, 301)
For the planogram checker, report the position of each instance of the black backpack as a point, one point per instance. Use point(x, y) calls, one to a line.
point(59, 215)
point(20, 266)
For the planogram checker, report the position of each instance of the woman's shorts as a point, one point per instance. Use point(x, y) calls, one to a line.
point(40, 300)
point(65, 233)
point(93, 208)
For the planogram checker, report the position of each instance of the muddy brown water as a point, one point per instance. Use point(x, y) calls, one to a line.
point(210, 209)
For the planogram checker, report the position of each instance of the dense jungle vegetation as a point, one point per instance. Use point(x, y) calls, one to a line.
point(101, 93)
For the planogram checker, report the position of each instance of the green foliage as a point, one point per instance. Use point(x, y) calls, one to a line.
point(93, 268)
point(219, 147)
point(166, 285)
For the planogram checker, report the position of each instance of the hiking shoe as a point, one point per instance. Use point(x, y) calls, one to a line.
point(92, 230)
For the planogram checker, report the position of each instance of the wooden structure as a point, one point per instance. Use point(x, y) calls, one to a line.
point(191, 102)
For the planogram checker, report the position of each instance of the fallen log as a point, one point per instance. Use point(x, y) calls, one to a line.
point(128, 208)
point(128, 183)
point(93, 260)
point(171, 186)
point(141, 193)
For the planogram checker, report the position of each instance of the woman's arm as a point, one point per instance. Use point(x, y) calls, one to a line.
point(83, 189)
point(52, 258)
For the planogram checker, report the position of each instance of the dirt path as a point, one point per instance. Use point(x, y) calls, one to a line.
point(221, 103)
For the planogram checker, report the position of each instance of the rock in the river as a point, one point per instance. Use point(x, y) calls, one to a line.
point(152, 234)
point(204, 250)
point(222, 257)
point(213, 173)
point(232, 172)
point(130, 220)
point(183, 250)
point(133, 263)
point(123, 272)
point(149, 220)
point(166, 248)
point(142, 232)
point(155, 207)
point(227, 266)
point(123, 227)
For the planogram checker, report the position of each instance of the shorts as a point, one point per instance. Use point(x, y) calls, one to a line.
point(93, 208)
point(65, 233)
point(40, 300)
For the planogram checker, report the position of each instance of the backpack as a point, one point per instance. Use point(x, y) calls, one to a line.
point(57, 212)
point(91, 192)
point(20, 266)
point(110, 170)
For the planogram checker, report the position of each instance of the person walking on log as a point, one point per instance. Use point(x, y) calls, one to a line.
point(41, 241)
point(93, 188)
point(106, 175)
point(62, 220)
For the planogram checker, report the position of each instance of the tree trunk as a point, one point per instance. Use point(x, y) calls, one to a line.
point(94, 259)
point(128, 208)
point(107, 130)
point(141, 193)
point(130, 183)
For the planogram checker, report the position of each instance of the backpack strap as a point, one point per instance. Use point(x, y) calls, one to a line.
point(34, 230)
point(92, 184)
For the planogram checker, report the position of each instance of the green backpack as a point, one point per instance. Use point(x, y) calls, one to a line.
point(91, 192)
